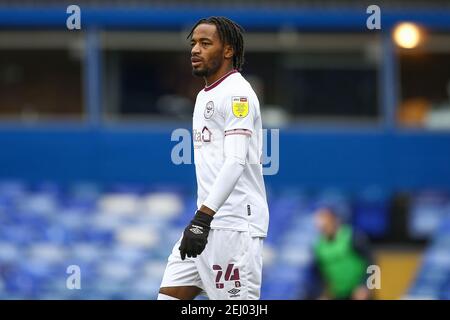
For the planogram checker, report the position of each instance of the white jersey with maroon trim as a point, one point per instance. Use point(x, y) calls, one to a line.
point(230, 106)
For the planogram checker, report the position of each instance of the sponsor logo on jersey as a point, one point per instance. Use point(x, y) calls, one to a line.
point(209, 110)
point(206, 135)
point(240, 106)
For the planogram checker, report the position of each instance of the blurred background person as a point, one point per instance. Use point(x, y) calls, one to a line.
point(341, 257)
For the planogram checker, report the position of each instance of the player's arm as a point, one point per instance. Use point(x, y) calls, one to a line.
point(239, 114)
point(238, 130)
point(236, 147)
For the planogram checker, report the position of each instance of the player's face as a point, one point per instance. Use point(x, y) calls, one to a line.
point(207, 53)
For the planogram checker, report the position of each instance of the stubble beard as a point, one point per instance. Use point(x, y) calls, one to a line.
point(207, 71)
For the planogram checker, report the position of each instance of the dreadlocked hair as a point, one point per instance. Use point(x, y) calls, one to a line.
point(229, 33)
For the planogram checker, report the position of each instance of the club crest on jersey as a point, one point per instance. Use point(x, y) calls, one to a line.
point(239, 106)
point(209, 110)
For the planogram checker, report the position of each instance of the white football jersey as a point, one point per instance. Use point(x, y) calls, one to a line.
point(230, 106)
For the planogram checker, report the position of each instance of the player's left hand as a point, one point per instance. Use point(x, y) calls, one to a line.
point(195, 236)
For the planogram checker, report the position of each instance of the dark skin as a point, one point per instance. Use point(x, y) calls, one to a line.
point(210, 59)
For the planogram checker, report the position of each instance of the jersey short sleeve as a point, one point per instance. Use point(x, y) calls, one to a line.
point(239, 114)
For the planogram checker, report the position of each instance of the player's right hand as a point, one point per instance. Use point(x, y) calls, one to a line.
point(195, 236)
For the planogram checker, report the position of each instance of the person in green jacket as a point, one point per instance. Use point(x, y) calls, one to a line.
point(341, 257)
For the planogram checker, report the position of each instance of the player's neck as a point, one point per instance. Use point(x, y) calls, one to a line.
point(217, 76)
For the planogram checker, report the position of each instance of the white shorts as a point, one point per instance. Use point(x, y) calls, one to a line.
point(230, 267)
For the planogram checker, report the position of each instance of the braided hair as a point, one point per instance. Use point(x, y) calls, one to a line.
point(229, 33)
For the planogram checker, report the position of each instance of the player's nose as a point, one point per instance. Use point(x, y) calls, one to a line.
point(195, 50)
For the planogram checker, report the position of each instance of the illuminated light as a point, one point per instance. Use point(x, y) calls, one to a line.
point(407, 35)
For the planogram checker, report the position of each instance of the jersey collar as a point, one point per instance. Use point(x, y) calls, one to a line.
point(218, 81)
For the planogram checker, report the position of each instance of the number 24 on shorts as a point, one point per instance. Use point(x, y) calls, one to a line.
point(228, 275)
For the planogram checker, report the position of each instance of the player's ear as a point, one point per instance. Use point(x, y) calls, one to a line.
point(228, 52)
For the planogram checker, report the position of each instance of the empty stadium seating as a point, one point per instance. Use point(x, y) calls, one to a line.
point(121, 235)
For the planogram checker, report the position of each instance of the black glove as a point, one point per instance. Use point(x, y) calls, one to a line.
point(195, 235)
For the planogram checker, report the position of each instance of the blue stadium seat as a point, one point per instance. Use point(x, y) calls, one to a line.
point(371, 212)
point(428, 209)
point(45, 228)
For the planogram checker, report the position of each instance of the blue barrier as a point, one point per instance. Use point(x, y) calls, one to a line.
point(250, 18)
point(345, 160)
